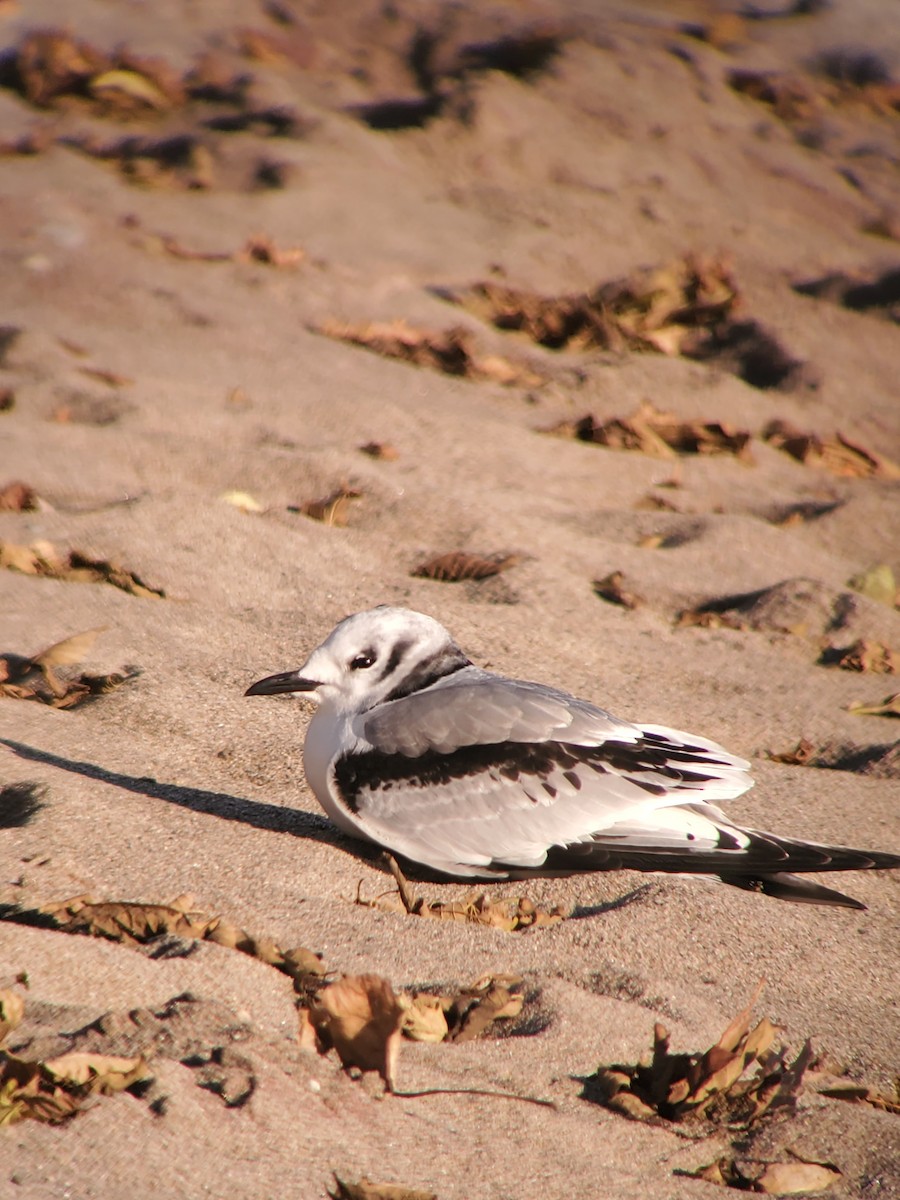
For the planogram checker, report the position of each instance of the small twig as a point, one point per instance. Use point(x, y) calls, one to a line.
point(475, 1092)
point(410, 902)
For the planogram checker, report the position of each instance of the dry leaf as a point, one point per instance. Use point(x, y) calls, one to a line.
point(382, 450)
point(458, 565)
point(331, 509)
point(262, 249)
point(12, 1009)
point(133, 923)
point(710, 618)
point(55, 1090)
point(658, 434)
point(889, 707)
point(449, 351)
point(366, 1190)
point(491, 998)
point(858, 1093)
point(798, 1177)
point(17, 497)
point(35, 679)
point(710, 1086)
point(612, 588)
point(128, 91)
point(425, 1020)
point(42, 558)
point(800, 756)
point(243, 501)
point(361, 1017)
point(863, 656)
point(838, 454)
point(878, 584)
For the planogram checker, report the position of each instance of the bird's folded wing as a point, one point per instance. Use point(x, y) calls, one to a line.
point(474, 707)
point(509, 802)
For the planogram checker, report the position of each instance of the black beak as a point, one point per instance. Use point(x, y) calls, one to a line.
point(287, 681)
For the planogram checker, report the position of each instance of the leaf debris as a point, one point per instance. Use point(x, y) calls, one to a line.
point(361, 1017)
point(457, 565)
point(73, 566)
point(58, 1088)
point(364, 1189)
point(838, 454)
point(799, 1176)
point(133, 923)
point(18, 497)
point(332, 509)
point(612, 589)
point(658, 434)
point(710, 1086)
point(888, 707)
point(863, 655)
point(34, 678)
point(450, 351)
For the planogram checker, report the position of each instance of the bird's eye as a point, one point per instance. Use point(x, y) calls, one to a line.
point(362, 660)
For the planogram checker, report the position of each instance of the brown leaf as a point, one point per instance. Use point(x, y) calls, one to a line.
point(450, 351)
point(364, 1189)
point(361, 1017)
point(488, 999)
point(103, 1073)
point(55, 1090)
point(659, 434)
point(859, 1093)
point(262, 249)
point(800, 756)
point(133, 923)
point(612, 588)
point(12, 1009)
point(864, 656)
point(331, 509)
point(712, 1085)
point(458, 565)
point(41, 558)
point(889, 707)
point(425, 1020)
point(382, 450)
point(837, 454)
point(69, 651)
point(795, 1178)
point(17, 497)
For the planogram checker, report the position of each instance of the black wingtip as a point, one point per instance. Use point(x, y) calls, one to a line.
point(797, 889)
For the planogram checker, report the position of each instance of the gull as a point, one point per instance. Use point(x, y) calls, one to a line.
point(473, 774)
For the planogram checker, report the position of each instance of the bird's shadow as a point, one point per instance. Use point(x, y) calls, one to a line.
point(276, 819)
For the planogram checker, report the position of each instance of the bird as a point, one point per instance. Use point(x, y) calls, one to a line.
point(472, 774)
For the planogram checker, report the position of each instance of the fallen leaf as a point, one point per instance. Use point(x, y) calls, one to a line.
point(134, 923)
point(491, 998)
point(42, 558)
point(612, 589)
point(243, 501)
point(425, 1020)
point(262, 249)
point(889, 707)
point(382, 450)
point(709, 618)
point(364, 1189)
point(104, 1073)
point(450, 351)
point(859, 1093)
point(795, 1178)
point(837, 454)
point(12, 1009)
point(658, 434)
point(17, 497)
point(362, 1018)
point(128, 91)
point(711, 1086)
point(864, 656)
point(70, 650)
point(458, 565)
point(878, 584)
point(800, 756)
point(332, 509)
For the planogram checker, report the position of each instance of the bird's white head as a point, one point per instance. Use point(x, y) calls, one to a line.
point(373, 656)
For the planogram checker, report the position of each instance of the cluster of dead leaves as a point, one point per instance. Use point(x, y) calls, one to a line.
point(73, 566)
point(458, 565)
point(658, 434)
point(796, 98)
point(710, 1086)
point(35, 677)
point(864, 656)
point(363, 1019)
point(689, 307)
point(450, 351)
point(58, 1088)
point(837, 454)
point(134, 923)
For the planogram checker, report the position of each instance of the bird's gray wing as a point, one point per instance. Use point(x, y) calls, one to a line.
point(488, 775)
point(473, 707)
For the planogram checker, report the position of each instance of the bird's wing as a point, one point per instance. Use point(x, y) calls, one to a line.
point(473, 707)
point(487, 775)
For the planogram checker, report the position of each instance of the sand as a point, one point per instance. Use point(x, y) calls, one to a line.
point(628, 148)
